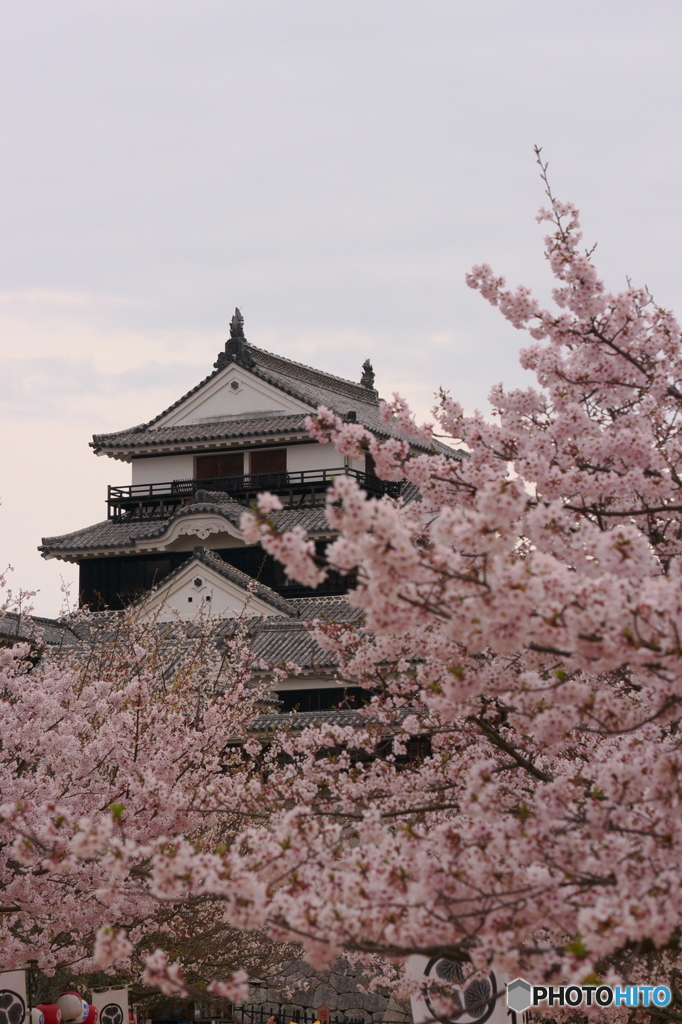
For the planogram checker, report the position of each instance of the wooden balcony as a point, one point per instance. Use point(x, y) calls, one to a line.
point(302, 489)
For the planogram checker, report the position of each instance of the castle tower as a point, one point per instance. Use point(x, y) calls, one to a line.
point(197, 465)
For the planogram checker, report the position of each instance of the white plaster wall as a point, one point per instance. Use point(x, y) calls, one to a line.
point(207, 598)
point(214, 597)
point(313, 456)
point(163, 468)
point(227, 402)
point(218, 398)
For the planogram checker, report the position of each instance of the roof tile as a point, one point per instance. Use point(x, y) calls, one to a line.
point(117, 535)
point(214, 430)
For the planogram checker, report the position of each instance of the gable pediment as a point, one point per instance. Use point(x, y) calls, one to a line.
point(199, 590)
point(234, 391)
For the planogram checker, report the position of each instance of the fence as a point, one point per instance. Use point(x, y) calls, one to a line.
point(286, 1013)
point(221, 1011)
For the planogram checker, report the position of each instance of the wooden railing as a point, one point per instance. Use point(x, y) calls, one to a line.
point(300, 488)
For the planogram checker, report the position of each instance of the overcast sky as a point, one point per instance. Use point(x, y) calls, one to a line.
point(333, 167)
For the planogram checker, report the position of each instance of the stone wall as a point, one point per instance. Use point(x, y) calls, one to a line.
point(336, 988)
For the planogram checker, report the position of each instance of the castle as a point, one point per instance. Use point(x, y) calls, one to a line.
point(171, 543)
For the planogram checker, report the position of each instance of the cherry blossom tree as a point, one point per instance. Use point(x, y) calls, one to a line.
point(135, 721)
point(525, 615)
point(512, 790)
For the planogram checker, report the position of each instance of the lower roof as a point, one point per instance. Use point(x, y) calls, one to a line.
point(279, 639)
point(37, 631)
point(110, 537)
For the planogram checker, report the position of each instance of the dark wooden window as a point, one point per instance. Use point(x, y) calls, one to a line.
point(328, 699)
point(272, 460)
point(255, 563)
point(115, 582)
point(211, 467)
point(370, 468)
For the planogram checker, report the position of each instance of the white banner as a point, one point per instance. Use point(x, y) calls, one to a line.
point(111, 1006)
point(13, 997)
point(466, 992)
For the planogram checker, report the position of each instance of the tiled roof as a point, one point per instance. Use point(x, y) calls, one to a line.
point(110, 534)
point(336, 609)
point(277, 640)
point(314, 387)
point(126, 535)
point(298, 720)
point(215, 430)
point(101, 535)
point(289, 641)
point(282, 638)
point(311, 518)
point(36, 630)
point(280, 366)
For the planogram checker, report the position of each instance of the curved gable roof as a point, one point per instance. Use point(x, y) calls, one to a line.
point(308, 385)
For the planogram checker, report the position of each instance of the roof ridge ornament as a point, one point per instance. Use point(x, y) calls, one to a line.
point(235, 346)
point(367, 379)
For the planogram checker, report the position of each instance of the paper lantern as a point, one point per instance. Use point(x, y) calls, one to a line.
point(51, 1013)
point(37, 1016)
point(74, 1008)
point(92, 1015)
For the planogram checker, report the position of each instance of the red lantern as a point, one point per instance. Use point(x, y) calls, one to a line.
point(51, 1013)
point(92, 1015)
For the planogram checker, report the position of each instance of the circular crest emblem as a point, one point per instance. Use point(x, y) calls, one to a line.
point(12, 1007)
point(111, 1014)
point(474, 998)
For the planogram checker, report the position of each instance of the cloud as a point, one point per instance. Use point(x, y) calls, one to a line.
point(43, 387)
